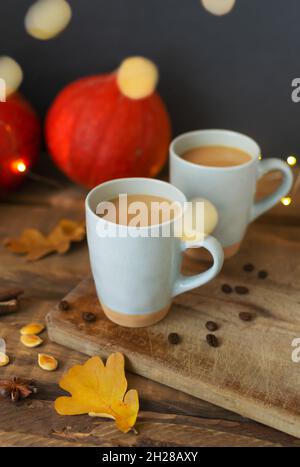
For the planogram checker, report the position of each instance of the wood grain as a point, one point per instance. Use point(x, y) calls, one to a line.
point(252, 373)
point(168, 417)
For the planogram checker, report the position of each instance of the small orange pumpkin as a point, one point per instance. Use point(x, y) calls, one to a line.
point(110, 126)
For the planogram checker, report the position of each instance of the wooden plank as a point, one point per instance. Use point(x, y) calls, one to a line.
point(34, 422)
point(168, 417)
point(158, 430)
point(252, 373)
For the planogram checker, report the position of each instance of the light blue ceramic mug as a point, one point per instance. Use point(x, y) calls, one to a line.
point(137, 276)
point(232, 188)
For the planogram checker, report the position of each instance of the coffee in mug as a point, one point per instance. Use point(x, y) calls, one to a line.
point(150, 210)
point(216, 156)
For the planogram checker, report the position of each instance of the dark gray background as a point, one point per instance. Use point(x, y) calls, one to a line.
point(233, 72)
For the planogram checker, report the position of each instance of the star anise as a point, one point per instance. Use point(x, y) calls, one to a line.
point(16, 388)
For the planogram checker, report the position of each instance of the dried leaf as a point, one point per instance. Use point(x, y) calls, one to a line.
point(31, 242)
point(35, 245)
point(100, 391)
point(66, 232)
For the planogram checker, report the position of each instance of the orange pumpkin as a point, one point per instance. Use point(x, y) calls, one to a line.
point(110, 126)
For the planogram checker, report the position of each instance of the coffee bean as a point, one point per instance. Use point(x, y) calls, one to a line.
point(88, 316)
point(245, 316)
point(174, 338)
point(226, 288)
point(241, 290)
point(212, 340)
point(262, 274)
point(248, 267)
point(211, 326)
point(64, 305)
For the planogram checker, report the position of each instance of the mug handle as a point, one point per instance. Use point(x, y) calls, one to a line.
point(268, 202)
point(184, 283)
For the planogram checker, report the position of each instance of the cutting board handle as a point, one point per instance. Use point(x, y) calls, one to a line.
point(184, 283)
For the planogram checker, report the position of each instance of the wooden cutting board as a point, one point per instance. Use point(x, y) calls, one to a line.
point(252, 372)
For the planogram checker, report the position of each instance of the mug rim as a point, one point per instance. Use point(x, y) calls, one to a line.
point(131, 179)
point(187, 134)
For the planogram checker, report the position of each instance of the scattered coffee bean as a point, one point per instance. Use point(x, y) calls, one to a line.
point(245, 316)
point(241, 290)
point(226, 288)
point(174, 338)
point(248, 267)
point(262, 274)
point(212, 340)
point(64, 305)
point(88, 316)
point(211, 326)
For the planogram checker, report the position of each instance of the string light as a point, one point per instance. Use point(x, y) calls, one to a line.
point(18, 166)
point(292, 160)
point(286, 201)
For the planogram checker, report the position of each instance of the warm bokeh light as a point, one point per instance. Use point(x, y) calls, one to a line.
point(286, 201)
point(260, 157)
point(291, 160)
point(218, 7)
point(18, 166)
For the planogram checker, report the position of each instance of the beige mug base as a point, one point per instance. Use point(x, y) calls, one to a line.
point(200, 254)
point(232, 250)
point(135, 321)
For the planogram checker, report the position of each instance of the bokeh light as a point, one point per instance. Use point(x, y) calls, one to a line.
point(286, 201)
point(292, 160)
point(18, 166)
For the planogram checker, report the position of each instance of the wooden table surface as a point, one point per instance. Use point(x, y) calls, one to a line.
point(167, 417)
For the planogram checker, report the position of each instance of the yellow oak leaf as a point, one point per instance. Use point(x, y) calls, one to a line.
point(64, 233)
point(36, 245)
point(31, 242)
point(100, 390)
